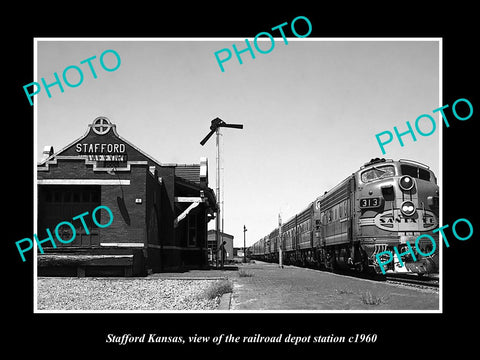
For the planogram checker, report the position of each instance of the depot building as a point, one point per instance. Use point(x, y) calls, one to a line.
point(160, 210)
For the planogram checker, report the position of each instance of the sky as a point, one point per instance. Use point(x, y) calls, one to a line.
point(310, 109)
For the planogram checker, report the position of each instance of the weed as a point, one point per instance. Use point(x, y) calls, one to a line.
point(243, 273)
point(217, 289)
point(371, 299)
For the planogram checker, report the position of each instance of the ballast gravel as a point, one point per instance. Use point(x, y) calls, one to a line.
point(124, 294)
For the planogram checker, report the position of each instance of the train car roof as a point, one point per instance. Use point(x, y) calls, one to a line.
point(339, 185)
point(308, 207)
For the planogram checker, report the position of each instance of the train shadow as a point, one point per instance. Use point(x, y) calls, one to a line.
point(361, 275)
point(368, 275)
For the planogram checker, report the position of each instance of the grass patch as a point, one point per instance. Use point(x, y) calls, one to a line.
point(243, 273)
point(217, 289)
point(371, 299)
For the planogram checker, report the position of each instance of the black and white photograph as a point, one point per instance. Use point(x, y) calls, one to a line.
point(319, 205)
point(273, 186)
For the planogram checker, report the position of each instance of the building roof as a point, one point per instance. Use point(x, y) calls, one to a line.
point(210, 232)
point(196, 174)
point(188, 172)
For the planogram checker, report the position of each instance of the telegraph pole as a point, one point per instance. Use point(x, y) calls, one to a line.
point(217, 220)
point(280, 252)
point(244, 245)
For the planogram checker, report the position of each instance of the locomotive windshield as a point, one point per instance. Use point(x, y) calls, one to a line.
point(375, 173)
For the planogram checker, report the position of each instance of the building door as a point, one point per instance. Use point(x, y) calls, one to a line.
point(57, 203)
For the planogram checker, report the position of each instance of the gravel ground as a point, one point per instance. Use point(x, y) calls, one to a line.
point(124, 294)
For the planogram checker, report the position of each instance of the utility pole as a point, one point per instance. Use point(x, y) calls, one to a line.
point(280, 242)
point(244, 245)
point(219, 211)
point(215, 126)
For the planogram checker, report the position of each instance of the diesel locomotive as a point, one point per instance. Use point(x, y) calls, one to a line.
point(381, 206)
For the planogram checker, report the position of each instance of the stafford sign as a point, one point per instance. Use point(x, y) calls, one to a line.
point(106, 150)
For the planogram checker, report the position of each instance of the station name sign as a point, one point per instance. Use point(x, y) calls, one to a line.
point(102, 151)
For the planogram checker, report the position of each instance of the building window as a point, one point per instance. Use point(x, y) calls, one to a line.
point(59, 203)
point(192, 230)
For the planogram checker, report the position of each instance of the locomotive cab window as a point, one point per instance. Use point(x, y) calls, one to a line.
point(376, 173)
point(415, 172)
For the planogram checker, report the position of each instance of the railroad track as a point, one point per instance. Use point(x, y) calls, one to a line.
point(427, 282)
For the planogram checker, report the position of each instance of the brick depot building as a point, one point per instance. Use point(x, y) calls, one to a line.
point(160, 211)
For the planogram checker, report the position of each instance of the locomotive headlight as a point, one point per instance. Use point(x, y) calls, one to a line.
point(408, 208)
point(406, 183)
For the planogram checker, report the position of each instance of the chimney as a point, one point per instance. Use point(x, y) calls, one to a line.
point(47, 152)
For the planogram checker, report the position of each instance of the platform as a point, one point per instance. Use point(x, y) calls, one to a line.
point(263, 286)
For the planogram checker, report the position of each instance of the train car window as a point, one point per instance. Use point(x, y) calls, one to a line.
point(376, 173)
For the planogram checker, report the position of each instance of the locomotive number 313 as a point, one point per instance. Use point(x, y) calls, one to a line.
point(370, 202)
